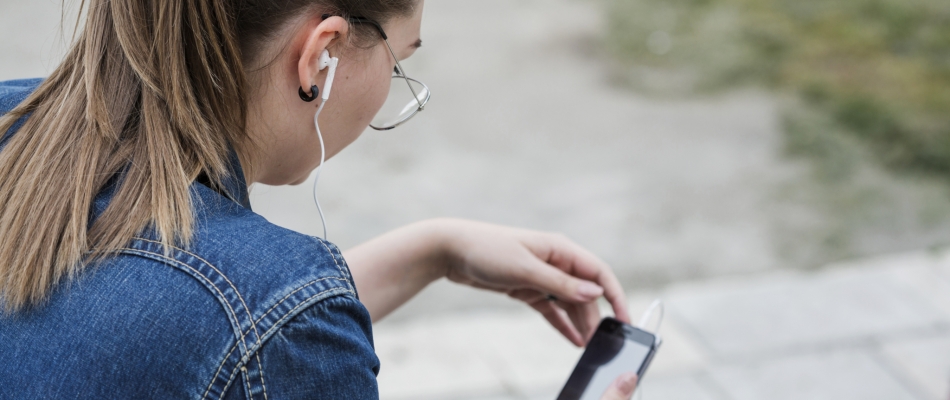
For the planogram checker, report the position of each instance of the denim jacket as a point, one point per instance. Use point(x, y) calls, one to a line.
point(248, 311)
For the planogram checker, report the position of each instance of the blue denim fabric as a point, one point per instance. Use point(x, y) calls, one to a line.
point(248, 311)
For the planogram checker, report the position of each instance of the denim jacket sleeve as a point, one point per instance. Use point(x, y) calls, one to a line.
point(317, 355)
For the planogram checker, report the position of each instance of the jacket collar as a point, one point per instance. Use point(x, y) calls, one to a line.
point(235, 183)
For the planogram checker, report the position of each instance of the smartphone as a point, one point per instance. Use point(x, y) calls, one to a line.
point(615, 348)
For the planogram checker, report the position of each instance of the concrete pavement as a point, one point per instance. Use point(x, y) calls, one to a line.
point(870, 329)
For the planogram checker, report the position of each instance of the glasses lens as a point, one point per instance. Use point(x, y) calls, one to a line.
point(401, 103)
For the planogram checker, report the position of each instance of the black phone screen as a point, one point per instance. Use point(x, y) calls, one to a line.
point(614, 349)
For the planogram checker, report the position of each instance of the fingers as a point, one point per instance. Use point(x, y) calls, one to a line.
point(583, 317)
point(546, 279)
point(529, 296)
point(587, 265)
point(482, 286)
point(614, 294)
point(561, 252)
point(530, 265)
point(558, 318)
point(622, 388)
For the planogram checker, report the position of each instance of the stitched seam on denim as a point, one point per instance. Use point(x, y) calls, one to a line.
point(224, 390)
point(238, 293)
point(349, 274)
point(260, 365)
point(302, 304)
point(339, 253)
point(247, 383)
point(218, 372)
point(277, 325)
point(220, 366)
point(233, 314)
point(331, 256)
point(253, 322)
point(308, 284)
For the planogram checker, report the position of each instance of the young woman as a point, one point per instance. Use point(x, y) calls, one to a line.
point(131, 264)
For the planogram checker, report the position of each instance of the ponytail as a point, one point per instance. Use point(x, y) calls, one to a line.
point(151, 89)
point(151, 95)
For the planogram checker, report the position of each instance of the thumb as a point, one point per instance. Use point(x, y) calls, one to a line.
point(622, 388)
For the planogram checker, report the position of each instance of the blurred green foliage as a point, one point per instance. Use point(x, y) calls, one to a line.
point(877, 69)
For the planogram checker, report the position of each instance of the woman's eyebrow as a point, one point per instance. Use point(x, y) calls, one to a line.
point(417, 44)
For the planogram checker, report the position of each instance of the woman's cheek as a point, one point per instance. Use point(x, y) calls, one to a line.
point(361, 107)
point(374, 97)
point(380, 78)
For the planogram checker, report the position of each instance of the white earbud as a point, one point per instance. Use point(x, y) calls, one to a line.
point(324, 62)
point(332, 62)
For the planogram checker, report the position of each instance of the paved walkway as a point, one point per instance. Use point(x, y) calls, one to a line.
point(872, 329)
point(526, 128)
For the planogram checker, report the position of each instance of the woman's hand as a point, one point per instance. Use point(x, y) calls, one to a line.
point(533, 266)
point(527, 265)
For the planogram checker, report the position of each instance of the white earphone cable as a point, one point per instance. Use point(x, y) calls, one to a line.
point(331, 62)
point(657, 304)
point(316, 178)
point(644, 319)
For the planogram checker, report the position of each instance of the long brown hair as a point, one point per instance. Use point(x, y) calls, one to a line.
point(151, 92)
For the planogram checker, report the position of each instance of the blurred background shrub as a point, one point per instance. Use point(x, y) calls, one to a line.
point(872, 71)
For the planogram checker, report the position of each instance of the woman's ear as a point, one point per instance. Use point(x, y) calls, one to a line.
point(319, 37)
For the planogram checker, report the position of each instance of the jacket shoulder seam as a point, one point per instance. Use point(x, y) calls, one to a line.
point(240, 334)
point(300, 307)
point(223, 276)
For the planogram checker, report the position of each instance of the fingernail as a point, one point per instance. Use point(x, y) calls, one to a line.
point(628, 383)
point(590, 290)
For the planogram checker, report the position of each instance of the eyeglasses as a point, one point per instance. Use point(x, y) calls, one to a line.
point(398, 107)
